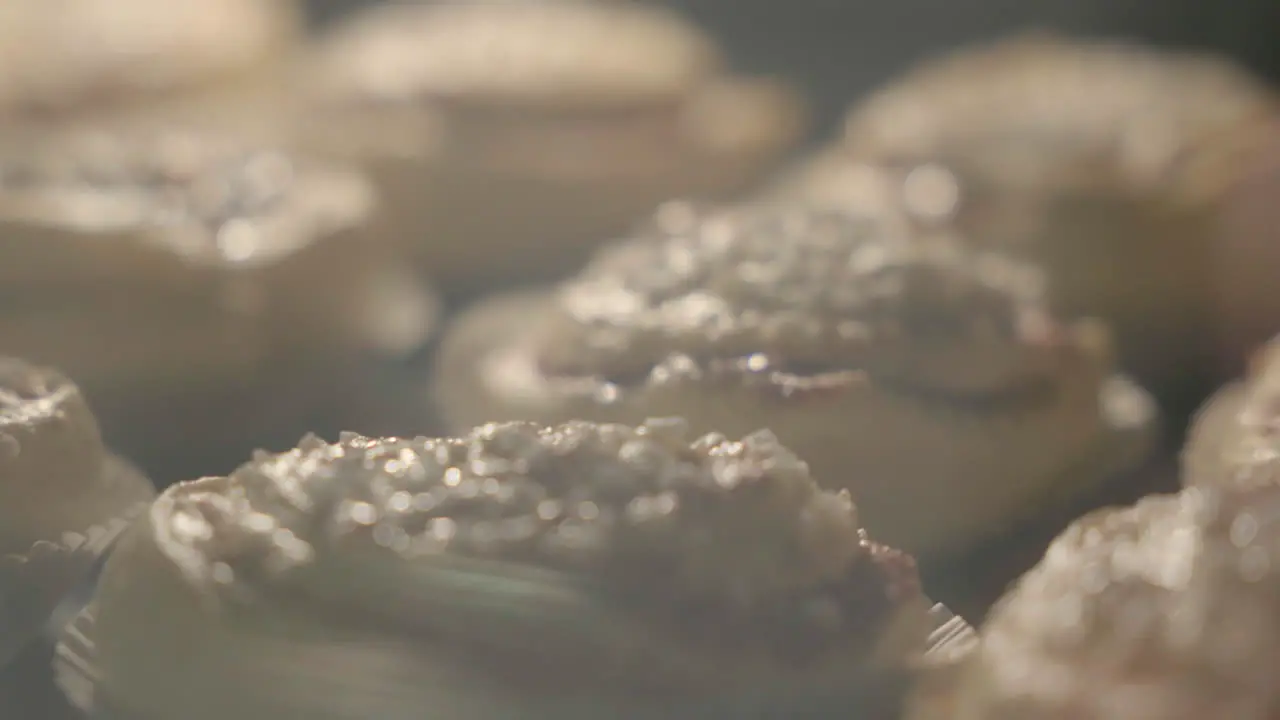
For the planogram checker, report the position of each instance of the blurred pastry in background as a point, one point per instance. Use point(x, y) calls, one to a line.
point(63, 499)
point(1235, 436)
point(86, 60)
point(574, 571)
point(1106, 163)
point(507, 137)
point(208, 295)
point(1164, 610)
point(925, 376)
point(1246, 260)
point(923, 197)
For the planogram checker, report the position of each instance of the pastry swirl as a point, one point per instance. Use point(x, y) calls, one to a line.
point(510, 136)
point(181, 273)
point(877, 350)
point(1098, 161)
point(235, 247)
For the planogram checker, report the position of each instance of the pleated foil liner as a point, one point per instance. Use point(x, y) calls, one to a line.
point(42, 589)
point(950, 645)
point(76, 672)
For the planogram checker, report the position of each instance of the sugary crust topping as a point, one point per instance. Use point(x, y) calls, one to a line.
point(778, 288)
point(61, 54)
point(205, 198)
point(736, 525)
point(1044, 109)
point(1164, 604)
point(570, 52)
point(31, 394)
point(1243, 445)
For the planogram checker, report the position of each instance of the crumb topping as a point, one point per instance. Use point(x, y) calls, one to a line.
point(772, 289)
point(714, 528)
point(205, 198)
point(575, 52)
point(1170, 598)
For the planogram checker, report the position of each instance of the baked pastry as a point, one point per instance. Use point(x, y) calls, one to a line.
point(926, 194)
point(1233, 438)
point(923, 376)
point(573, 571)
point(63, 499)
point(1246, 254)
point(1098, 160)
point(196, 286)
point(507, 137)
point(78, 60)
point(1164, 610)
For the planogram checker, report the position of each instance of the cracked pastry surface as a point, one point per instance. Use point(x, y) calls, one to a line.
point(909, 369)
point(1097, 160)
point(76, 55)
point(63, 497)
point(1159, 611)
point(1234, 437)
point(616, 560)
point(531, 128)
